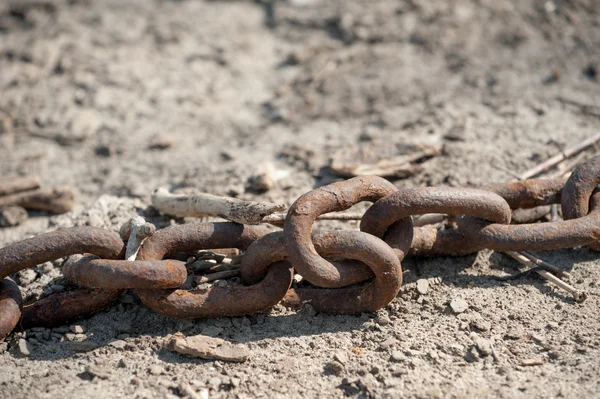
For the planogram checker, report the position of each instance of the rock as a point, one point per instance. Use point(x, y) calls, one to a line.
point(398, 356)
point(422, 286)
point(484, 347)
point(458, 305)
point(11, 216)
point(156, 370)
point(340, 357)
point(83, 346)
point(77, 329)
point(206, 347)
point(119, 344)
point(25, 347)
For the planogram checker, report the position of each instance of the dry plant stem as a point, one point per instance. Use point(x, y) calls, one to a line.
point(233, 209)
point(18, 184)
point(222, 267)
point(541, 262)
point(579, 296)
point(136, 232)
point(399, 165)
point(554, 212)
point(569, 152)
point(217, 276)
point(57, 200)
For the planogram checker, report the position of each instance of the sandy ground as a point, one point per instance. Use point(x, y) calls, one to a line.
point(117, 98)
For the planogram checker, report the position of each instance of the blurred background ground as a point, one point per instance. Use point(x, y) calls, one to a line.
point(120, 97)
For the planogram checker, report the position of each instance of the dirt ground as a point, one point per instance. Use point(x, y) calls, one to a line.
point(116, 98)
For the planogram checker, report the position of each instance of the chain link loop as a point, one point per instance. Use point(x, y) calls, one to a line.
point(351, 271)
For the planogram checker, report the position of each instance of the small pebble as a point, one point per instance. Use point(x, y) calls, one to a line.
point(459, 305)
point(398, 356)
point(422, 286)
point(24, 347)
point(77, 329)
point(156, 370)
point(341, 357)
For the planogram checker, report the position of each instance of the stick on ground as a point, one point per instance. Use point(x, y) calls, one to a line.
point(233, 209)
point(569, 152)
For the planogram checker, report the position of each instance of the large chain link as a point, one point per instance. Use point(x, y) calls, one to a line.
point(350, 271)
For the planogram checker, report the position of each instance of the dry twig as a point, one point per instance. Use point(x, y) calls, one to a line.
point(18, 184)
point(233, 209)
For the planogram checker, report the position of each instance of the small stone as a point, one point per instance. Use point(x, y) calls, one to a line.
point(484, 347)
point(83, 346)
point(398, 356)
point(212, 331)
point(420, 299)
point(206, 347)
point(122, 363)
point(47, 334)
point(156, 370)
point(61, 330)
point(25, 347)
point(335, 368)
point(33, 341)
point(341, 357)
point(11, 216)
point(472, 355)
point(422, 286)
point(77, 329)
point(119, 344)
point(383, 319)
point(459, 305)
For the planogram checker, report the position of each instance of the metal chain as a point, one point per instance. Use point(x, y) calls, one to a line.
point(350, 271)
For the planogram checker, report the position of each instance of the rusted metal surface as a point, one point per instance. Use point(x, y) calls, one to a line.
point(199, 236)
point(538, 236)
point(529, 193)
point(222, 301)
point(60, 308)
point(215, 301)
point(417, 201)
point(575, 202)
point(370, 297)
point(301, 216)
point(430, 241)
point(271, 248)
point(122, 274)
point(47, 247)
point(10, 306)
point(51, 246)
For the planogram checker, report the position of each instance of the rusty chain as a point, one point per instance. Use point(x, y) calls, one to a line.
point(348, 271)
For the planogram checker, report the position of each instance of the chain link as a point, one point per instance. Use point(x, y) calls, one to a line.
point(350, 271)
